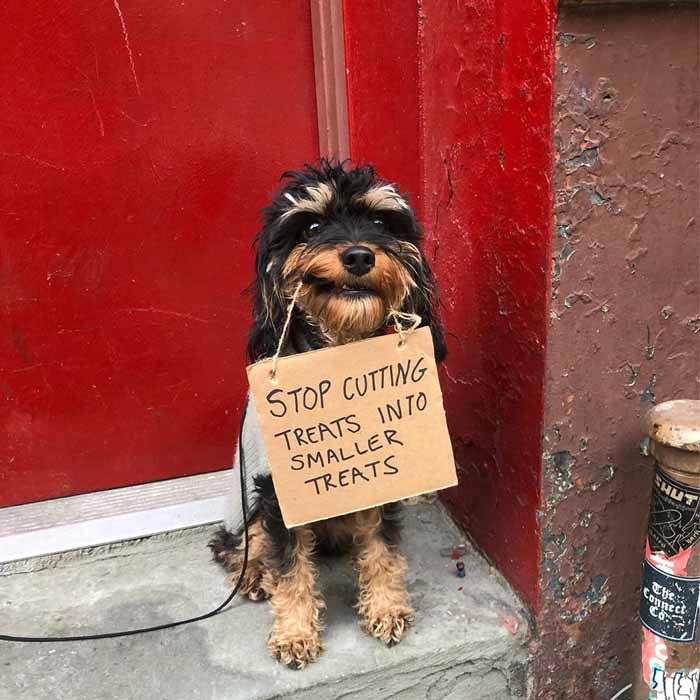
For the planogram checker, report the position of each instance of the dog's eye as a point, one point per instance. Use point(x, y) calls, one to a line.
point(378, 222)
point(310, 229)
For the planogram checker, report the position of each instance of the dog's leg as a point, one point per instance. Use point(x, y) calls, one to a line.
point(228, 551)
point(290, 577)
point(383, 603)
point(296, 634)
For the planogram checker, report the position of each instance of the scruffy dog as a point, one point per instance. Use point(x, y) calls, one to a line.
point(354, 243)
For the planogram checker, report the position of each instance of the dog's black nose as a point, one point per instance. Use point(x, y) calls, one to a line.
point(358, 260)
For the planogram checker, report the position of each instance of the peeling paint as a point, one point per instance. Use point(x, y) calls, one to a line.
point(597, 198)
point(650, 346)
point(564, 230)
point(624, 304)
point(559, 468)
point(588, 158)
point(575, 297)
point(648, 393)
point(553, 549)
point(594, 597)
point(632, 373)
point(644, 446)
point(565, 254)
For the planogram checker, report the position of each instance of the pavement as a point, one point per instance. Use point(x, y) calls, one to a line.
point(468, 643)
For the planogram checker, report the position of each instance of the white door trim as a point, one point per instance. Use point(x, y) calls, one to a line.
point(103, 517)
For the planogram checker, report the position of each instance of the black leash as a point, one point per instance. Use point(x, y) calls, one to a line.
point(178, 623)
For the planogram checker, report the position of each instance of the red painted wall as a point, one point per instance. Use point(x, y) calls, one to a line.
point(382, 89)
point(453, 100)
point(138, 141)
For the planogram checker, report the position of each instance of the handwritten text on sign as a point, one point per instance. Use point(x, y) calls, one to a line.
point(354, 426)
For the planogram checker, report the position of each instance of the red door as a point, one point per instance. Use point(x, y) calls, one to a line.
point(138, 141)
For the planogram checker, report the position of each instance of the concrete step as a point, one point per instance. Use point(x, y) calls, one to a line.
point(468, 642)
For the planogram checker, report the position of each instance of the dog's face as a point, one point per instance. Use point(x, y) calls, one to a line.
point(349, 245)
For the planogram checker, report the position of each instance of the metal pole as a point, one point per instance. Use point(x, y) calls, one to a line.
point(669, 662)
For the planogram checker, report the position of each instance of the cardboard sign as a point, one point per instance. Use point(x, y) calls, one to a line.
point(353, 426)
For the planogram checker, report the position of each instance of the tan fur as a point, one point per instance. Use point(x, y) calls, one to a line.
point(267, 295)
point(296, 634)
point(383, 602)
point(343, 319)
point(317, 198)
point(383, 197)
point(336, 533)
point(252, 585)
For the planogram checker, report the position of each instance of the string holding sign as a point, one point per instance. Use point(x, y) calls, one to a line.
point(353, 426)
point(283, 335)
point(398, 316)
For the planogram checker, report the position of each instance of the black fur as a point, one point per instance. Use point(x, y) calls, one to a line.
point(283, 541)
point(391, 524)
point(222, 543)
point(345, 222)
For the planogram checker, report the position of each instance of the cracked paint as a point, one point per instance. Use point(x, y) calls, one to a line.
point(648, 393)
point(624, 309)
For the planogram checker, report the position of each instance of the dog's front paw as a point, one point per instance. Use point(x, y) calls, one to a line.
point(255, 591)
point(389, 626)
point(295, 652)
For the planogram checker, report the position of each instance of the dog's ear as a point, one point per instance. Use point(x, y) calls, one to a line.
point(424, 297)
point(424, 300)
point(268, 305)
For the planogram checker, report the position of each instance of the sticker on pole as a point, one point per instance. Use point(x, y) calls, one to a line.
point(353, 426)
point(669, 605)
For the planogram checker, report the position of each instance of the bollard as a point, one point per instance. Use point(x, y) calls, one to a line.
point(669, 667)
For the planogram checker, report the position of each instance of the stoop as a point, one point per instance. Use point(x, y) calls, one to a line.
point(468, 642)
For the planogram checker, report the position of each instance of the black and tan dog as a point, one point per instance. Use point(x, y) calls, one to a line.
point(354, 244)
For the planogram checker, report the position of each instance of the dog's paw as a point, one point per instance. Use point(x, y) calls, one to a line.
point(389, 626)
point(253, 589)
point(295, 653)
point(257, 593)
point(252, 586)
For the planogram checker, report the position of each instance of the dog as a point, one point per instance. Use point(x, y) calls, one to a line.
point(349, 244)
